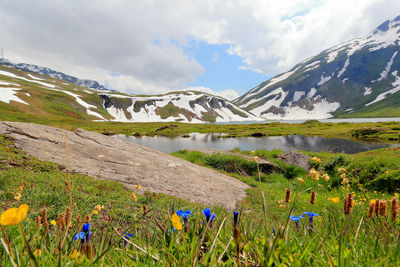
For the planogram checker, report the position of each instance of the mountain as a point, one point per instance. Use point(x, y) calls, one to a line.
point(54, 74)
point(358, 78)
point(30, 97)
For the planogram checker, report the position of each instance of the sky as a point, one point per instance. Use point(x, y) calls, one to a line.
point(156, 46)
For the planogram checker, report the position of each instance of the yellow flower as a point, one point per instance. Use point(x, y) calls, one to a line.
point(133, 196)
point(320, 185)
point(75, 255)
point(96, 212)
point(345, 181)
point(99, 208)
point(316, 160)
point(37, 252)
point(138, 186)
point(334, 199)
point(325, 176)
point(53, 222)
point(343, 175)
point(383, 194)
point(17, 196)
point(372, 201)
point(176, 222)
point(375, 192)
point(21, 188)
point(252, 152)
point(396, 194)
point(14, 215)
point(301, 180)
point(341, 169)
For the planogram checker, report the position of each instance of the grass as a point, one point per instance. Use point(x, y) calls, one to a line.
point(336, 239)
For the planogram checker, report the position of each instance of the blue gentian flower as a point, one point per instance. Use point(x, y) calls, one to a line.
point(296, 220)
point(273, 230)
point(209, 217)
point(235, 217)
point(185, 215)
point(85, 234)
point(126, 236)
point(311, 215)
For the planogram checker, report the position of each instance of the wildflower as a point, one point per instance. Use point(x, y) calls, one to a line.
point(301, 180)
point(185, 215)
point(287, 196)
point(53, 222)
point(311, 215)
point(371, 210)
point(395, 208)
point(343, 175)
point(14, 215)
point(236, 231)
point(209, 217)
point(38, 252)
point(334, 199)
point(345, 181)
point(133, 196)
point(75, 255)
point(99, 207)
point(377, 203)
point(320, 185)
point(17, 196)
point(125, 238)
point(342, 170)
point(176, 222)
point(316, 160)
point(383, 194)
point(348, 204)
point(382, 208)
point(252, 152)
point(86, 246)
point(95, 212)
point(296, 220)
point(312, 198)
point(325, 177)
point(314, 174)
point(138, 186)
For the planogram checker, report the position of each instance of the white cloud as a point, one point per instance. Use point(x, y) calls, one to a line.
point(144, 40)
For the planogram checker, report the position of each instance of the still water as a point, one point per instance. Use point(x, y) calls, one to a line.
point(285, 143)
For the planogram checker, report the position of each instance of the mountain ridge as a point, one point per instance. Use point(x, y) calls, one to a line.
point(339, 81)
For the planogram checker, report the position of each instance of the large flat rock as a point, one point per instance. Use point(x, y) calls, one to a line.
point(109, 158)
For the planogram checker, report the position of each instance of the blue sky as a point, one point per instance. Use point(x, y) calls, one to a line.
point(222, 69)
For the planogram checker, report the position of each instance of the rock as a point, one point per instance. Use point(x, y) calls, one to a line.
point(296, 158)
point(110, 158)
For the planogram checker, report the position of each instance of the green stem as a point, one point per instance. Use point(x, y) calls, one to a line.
point(33, 258)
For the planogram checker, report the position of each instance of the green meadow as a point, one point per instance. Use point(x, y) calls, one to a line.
point(339, 189)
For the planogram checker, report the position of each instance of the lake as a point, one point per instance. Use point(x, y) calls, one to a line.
point(285, 143)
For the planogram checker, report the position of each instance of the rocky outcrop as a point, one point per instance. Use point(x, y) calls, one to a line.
point(106, 157)
point(296, 158)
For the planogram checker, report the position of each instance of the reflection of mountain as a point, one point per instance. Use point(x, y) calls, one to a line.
point(285, 143)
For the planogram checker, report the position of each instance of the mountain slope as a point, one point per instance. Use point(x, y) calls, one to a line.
point(358, 78)
point(53, 74)
point(28, 97)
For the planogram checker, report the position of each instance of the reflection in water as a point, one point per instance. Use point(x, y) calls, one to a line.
point(285, 143)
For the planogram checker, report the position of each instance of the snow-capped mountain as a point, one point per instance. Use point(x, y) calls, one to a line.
point(358, 78)
point(54, 74)
point(24, 94)
point(187, 106)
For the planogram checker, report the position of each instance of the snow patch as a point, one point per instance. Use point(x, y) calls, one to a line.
point(385, 72)
point(367, 90)
point(383, 95)
point(12, 75)
point(322, 110)
point(297, 95)
point(331, 56)
point(312, 66)
point(36, 78)
point(324, 79)
point(7, 83)
point(8, 94)
point(312, 92)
